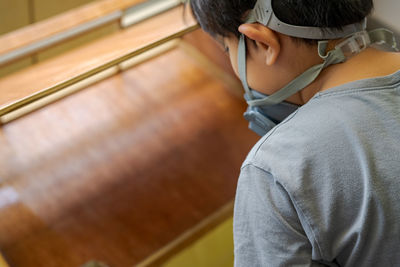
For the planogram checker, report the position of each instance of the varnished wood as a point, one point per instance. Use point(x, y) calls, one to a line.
point(47, 74)
point(60, 23)
point(119, 170)
point(212, 50)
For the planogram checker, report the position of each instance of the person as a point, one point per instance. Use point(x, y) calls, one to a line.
point(321, 187)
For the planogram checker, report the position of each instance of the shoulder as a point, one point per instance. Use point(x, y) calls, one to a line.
point(317, 161)
point(303, 136)
point(327, 121)
point(330, 134)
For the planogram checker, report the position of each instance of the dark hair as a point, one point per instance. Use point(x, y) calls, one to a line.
point(223, 17)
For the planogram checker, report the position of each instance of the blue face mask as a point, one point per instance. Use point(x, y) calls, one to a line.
point(263, 118)
point(264, 111)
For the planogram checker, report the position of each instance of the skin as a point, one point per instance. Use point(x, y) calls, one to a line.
point(274, 59)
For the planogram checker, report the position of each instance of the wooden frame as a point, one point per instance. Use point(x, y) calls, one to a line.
point(180, 115)
point(65, 22)
point(21, 91)
point(160, 134)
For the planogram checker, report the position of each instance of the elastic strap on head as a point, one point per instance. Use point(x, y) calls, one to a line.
point(349, 47)
point(383, 39)
point(264, 14)
point(357, 40)
point(242, 66)
point(303, 80)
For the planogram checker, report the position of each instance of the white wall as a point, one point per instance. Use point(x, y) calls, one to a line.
point(387, 13)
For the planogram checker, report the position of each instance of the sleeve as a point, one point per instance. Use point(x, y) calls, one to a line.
point(267, 229)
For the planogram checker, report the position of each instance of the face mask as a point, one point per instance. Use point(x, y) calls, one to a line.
point(265, 112)
point(263, 118)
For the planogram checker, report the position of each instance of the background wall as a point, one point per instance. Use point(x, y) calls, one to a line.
point(15, 14)
point(215, 249)
point(386, 13)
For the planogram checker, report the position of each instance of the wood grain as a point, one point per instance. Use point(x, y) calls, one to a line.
point(62, 22)
point(119, 170)
point(44, 75)
point(212, 50)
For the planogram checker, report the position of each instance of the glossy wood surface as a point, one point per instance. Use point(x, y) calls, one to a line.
point(60, 23)
point(119, 170)
point(44, 75)
point(213, 51)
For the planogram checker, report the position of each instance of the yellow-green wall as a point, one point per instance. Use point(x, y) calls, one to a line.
point(215, 249)
point(3, 263)
point(44, 9)
point(15, 14)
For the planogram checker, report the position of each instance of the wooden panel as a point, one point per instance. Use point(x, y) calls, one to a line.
point(44, 9)
point(62, 22)
point(119, 170)
point(13, 15)
point(77, 42)
point(51, 72)
point(209, 47)
point(15, 66)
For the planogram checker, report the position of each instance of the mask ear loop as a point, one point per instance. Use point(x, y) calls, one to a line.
point(242, 66)
point(383, 39)
point(332, 57)
point(380, 37)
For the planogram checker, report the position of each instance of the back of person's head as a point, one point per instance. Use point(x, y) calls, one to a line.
point(223, 17)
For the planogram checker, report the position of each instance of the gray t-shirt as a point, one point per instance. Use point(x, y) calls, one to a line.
point(323, 187)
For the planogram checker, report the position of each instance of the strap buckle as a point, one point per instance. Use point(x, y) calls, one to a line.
point(258, 122)
point(355, 44)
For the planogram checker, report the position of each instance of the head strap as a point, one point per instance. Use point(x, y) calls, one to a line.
point(306, 78)
point(264, 14)
point(357, 40)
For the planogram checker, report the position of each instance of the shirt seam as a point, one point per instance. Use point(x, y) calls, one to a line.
point(353, 91)
point(269, 134)
point(322, 95)
point(294, 201)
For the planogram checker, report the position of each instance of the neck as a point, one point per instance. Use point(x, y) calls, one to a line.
point(370, 63)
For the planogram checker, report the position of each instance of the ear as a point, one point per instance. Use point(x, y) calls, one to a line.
point(266, 39)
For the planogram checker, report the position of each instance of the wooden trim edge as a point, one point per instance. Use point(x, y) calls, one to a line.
point(29, 100)
point(188, 237)
point(46, 100)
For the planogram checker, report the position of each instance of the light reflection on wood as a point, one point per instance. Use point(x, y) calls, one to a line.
point(62, 22)
point(119, 170)
point(54, 71)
